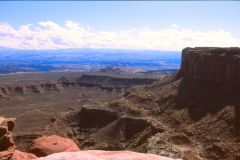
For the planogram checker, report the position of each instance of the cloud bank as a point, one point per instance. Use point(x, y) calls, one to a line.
point(50, 35)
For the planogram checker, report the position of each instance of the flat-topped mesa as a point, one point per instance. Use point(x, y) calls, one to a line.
point(221, 65)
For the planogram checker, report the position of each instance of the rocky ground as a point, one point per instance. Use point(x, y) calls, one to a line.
point(58, 148)
point(42, 108)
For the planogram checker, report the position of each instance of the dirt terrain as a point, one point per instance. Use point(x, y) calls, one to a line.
point(41, 107)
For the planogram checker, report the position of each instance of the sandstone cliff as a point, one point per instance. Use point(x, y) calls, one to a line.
point(219, 65)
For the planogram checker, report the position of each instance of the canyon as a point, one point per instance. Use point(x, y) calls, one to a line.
point(192, 114)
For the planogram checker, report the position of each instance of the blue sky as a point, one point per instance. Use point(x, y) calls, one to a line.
point(105, 21)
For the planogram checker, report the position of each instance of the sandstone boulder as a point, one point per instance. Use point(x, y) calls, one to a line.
point(18, 155)
point(103, 155)
point(47, 145)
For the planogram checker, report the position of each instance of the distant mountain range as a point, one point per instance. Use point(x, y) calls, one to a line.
point(12, 60)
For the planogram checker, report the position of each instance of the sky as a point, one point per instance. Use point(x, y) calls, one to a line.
point(141, 25)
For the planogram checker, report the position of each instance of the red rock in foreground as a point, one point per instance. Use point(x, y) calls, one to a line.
point(18, 155)
point(104, 155)
point(47, 145)
point(7, 146)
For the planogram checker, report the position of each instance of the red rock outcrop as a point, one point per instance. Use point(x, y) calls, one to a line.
point(47, 145)
point(219, 65)
point(18, 155)
point(7, 147)
point(104, 155)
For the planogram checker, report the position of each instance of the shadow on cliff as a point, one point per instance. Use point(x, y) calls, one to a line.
point(203, 97)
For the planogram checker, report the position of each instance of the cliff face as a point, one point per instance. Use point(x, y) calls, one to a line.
point(103, 82)
point(221, 65)
point(200, 105)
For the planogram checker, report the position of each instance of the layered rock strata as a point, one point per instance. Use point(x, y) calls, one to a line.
point(221, 65)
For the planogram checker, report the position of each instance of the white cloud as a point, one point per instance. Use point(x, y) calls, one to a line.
point(175, 26)
point(49, 35)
